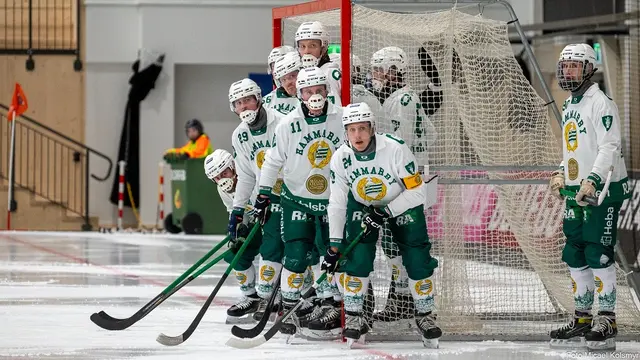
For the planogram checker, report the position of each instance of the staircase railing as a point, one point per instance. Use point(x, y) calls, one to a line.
point(50, 164)
point(30, 27)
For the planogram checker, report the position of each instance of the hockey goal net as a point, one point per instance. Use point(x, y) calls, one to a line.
point(495, 230)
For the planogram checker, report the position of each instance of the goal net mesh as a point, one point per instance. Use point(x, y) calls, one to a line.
point(498, 242)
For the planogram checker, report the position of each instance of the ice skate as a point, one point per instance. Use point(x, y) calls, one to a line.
point(355, 328)
point(328, 325)
point(241, 312)
point(572, 335)
point(263, 307)
point(602, 335)
point(289, 326)
point(430, 332)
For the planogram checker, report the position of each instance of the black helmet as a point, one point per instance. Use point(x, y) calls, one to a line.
point(196, 124)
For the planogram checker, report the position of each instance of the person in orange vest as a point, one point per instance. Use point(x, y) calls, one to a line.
point(198, 146)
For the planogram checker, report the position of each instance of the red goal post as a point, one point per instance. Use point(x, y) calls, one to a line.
point(280, 13)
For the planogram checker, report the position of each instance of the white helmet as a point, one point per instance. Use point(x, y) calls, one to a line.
point(276, 53)
point(243, 88)
point(310, 77)
point(385, 58)
point(313, 30)
point(358, 112)
point(390, 56)
point(215, 163)
point(583, 53)
point(287, 64)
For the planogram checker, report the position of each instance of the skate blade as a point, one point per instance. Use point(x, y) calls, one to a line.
point(359, 341)
point(431, 343)
point(247, 319)
point(574, 343)
point(315, 335)
point(608, 344)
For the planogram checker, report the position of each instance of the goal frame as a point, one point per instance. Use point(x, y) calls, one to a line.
point(278, 14)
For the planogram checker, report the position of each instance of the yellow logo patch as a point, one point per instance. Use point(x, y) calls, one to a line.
point(371, 189)
point(319, 154)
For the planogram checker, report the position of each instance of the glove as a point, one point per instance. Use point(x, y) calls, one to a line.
point(374, 219)
point(261, 207)
point(236, 243)
point(556, 183)
point(587, 188)
point(235, 219)
point(330, 261)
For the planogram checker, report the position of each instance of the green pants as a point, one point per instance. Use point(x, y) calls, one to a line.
point(591, 235)
point(409, 232)
point(305, 236)
point(272, 246)
point(246, 259)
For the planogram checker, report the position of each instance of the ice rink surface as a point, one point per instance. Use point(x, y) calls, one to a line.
point(50, 283)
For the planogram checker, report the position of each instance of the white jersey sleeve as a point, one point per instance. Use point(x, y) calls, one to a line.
point(337, 207)
point(246, 178)
point(334, 76)
point(227, 199)
point(276, 156)
point(607, 129)
point(409, 121)
point(406, 172)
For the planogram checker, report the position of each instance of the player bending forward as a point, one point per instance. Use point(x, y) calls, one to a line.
point(591, 146)
point(251, 140)
point(304, 142)
point(221, 169)
point(374, 177)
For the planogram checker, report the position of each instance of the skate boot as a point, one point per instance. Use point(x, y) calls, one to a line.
point(289, 325)
point(398, 306)
point(263, 307)
point(572, 334)
point(430, 332)
point(241, 312)
point(328, 325)
point(355, 328)
point(602, 336)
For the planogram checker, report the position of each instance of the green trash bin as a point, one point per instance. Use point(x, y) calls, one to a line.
point(197, 207)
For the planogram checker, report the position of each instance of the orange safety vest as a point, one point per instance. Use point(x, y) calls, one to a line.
point(199, 148)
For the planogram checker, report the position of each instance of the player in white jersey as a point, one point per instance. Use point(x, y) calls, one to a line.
point(220, 168)
point(275, 54)
point(375, 177)
point(251, 140)
point(284, 98)
point(304, 142)
point(403, 116)
point(591, 146)
point(312, 41)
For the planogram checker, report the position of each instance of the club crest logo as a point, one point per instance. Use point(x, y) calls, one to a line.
point(260, 158)
point(571, 136)
point(424, 287)
point(267, 272)
point(319, 154)
point(371, 189)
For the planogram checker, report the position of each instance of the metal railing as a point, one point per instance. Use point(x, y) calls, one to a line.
point(41, 27)
point(49, 164)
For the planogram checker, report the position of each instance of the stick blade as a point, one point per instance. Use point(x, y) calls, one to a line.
point(108, 324)
point(170, 340)
point(245, 343)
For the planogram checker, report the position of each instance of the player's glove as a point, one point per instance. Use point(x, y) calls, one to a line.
point(556, 183)
point(242, 234)
point(234, 220)
point(587, 188)
point(374, 219)
point(261, 208)
point(330, 261)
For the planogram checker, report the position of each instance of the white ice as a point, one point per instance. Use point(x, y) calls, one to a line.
point(50, 283)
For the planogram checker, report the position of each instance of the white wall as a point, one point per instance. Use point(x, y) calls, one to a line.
point(201, 91)
point(229, 38)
